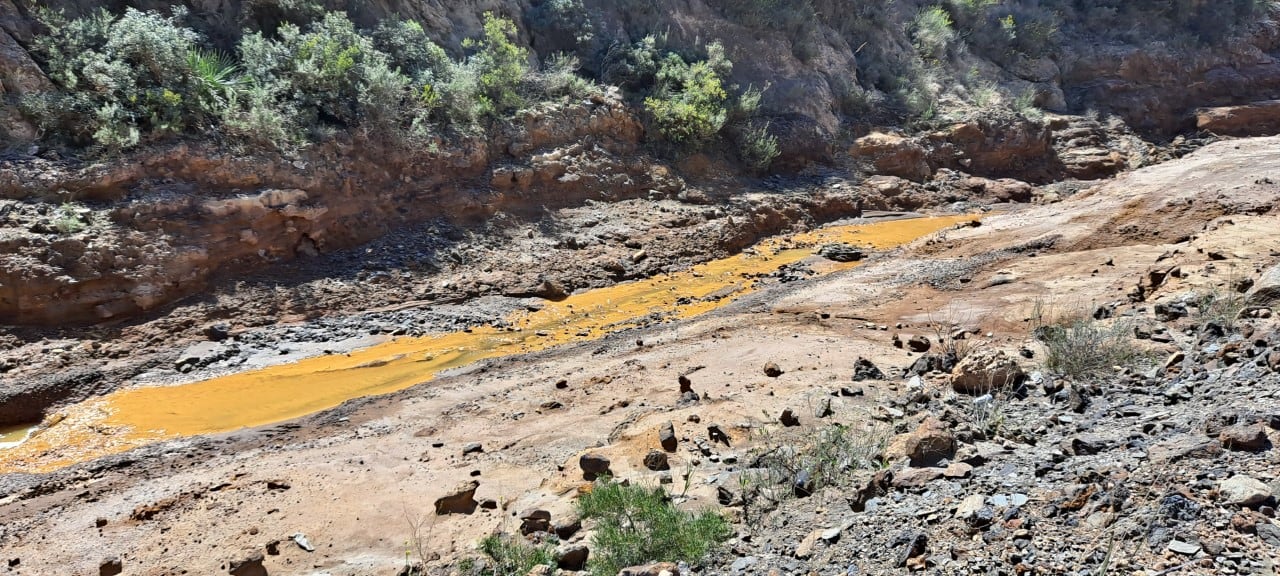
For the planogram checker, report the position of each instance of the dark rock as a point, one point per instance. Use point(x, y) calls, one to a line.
point(573, 557)
point(716, 434)
point(532, 521)
point(725, 496)
point(686, 385)
point(788, 418)
point(472, 448)
point(841, 252)
point(250, 564)
point(593, 466)
point(565, 529)
point(931, 363)
point(863, 369)
point(772, 370)
point(908, 545)
point(667, 437)
point(110, 567)
point(1086, 444)
point(459, 501)
point(217, 332)
point(803, 484)
point(919, 344)
point(656, 460)
point(1269, 533)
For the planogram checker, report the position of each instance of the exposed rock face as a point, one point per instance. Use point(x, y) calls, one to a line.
point(159, 249)
point(893, 155)
point(1254, 119)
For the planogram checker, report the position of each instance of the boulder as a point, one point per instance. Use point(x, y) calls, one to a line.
point(110, 566)
point(919, 344)
point(248, 564)
point(840, 252)
point(1242, 490)
point(893, 155)
point(1266, 290)
point(772, 370)
point(984, 371)
point(593, 466)
point(532, 521)
point(1248, 437)
point(461, 500)
point(572, 557)
point(667, 437)
point(930, 443)
point(656, 460)
point(656, 569)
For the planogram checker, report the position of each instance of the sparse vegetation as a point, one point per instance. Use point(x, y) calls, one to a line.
point(1083, 348)
point(933, 33)
point(636, 525)
point(508, 556)
point(819, 456)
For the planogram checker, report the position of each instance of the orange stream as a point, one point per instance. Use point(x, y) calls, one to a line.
point(137, 416)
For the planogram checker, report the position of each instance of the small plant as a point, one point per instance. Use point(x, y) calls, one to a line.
point(509, 557)
point(1084, 348)
point(637, 525)
point(824, 455)
point(68, 220)
point(757, 147)
point(688, 102)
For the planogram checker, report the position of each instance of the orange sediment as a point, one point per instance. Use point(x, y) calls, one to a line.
point(134, 417)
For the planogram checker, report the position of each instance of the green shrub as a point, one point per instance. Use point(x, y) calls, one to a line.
point(636, 525)
point(125, 78)
point(510, 557)
point(632, 67)
point(932, 33)
point(688, 101)
point(757, 147)
point(501, 64)
point(412, 51)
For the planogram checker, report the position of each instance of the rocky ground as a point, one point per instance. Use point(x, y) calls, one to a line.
point(1163, 463)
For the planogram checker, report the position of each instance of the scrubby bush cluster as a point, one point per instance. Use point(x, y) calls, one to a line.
point(298, 74)
point(143, 76)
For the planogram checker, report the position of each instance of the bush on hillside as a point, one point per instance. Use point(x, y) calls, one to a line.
point(688, 100)
point(637, 525)
point(124, 78)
